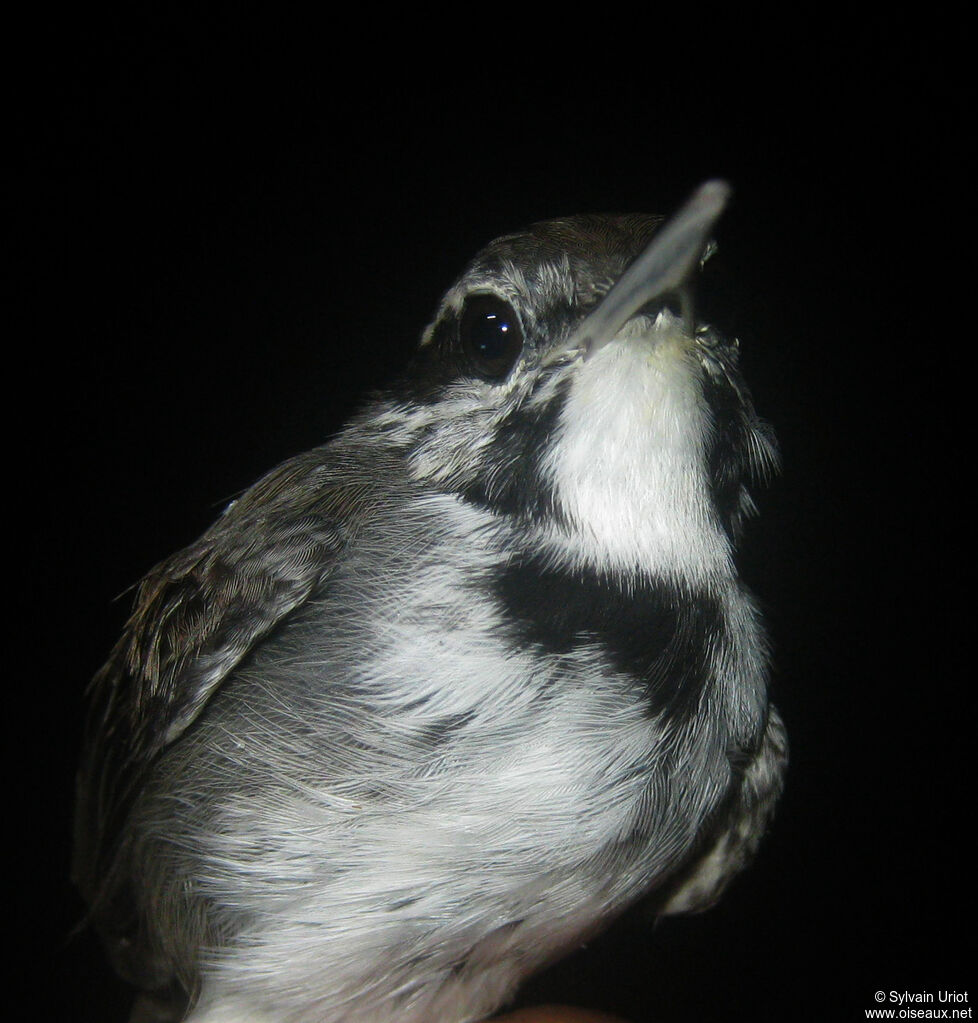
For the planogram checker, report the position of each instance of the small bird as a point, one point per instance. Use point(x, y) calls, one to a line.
point(433, 703)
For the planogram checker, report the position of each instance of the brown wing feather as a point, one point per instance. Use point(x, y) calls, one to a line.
point(196, 616)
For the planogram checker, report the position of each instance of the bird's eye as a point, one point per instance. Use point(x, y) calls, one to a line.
point(491, 335)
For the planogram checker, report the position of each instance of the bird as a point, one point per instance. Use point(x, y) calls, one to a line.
point(435, 702)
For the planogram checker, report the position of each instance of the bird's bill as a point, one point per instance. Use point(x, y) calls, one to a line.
point(665, 267)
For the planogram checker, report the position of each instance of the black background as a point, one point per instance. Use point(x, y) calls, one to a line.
point(232, 230)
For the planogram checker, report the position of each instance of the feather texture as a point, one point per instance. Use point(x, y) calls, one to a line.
point(434, 702)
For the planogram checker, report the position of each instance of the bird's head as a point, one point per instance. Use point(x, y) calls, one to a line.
point(555, 384)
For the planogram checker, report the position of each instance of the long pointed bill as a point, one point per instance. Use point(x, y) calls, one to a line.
point(665, 267)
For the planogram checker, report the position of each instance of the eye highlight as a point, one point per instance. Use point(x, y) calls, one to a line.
point(491, 335)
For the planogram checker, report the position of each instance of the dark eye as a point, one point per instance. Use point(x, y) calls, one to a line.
point(491, 335)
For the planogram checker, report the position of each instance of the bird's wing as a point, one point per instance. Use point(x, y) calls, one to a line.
point(734, 841)
point(196, 617)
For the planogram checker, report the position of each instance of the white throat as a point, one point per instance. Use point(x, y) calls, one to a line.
point(630, 466)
